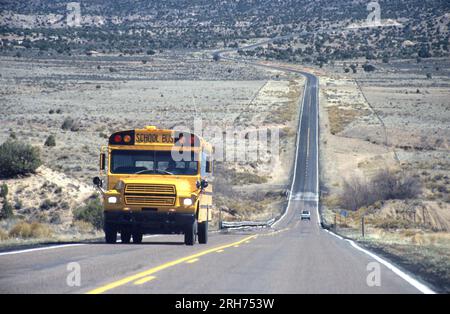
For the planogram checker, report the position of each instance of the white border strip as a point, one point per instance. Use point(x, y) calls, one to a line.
point(409, 279)
point(319, 219)
point(61, 246)
point(41, 249)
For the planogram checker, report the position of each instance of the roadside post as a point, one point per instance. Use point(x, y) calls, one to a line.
point(362, 226)
point(335, 222)
point(220, 218)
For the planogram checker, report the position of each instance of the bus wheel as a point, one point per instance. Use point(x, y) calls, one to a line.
point(125, 236)
point(110, 234)
point(203, 232)
point(137, 237)
point(190, 234)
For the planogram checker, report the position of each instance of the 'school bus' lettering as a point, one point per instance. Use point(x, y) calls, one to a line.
point(145, 138)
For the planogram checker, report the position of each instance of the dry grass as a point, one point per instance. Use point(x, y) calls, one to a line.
point(288, 111)
point(339, 118)
point(26, 230)
point(83, 227)
point(3, 235)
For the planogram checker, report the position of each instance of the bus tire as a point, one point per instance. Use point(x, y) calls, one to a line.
point(125, 236)
point(203, 232)
point(110, 234)
point(137, 237)
point(190, 234)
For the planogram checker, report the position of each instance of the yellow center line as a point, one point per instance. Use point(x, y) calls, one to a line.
point(192, 261)
point(156, 269)
point(144, 280)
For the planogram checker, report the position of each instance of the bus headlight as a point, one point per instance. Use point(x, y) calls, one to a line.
point(187, 202)
point(112, 200)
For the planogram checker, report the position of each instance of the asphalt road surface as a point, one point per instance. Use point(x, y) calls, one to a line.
point(292, 257)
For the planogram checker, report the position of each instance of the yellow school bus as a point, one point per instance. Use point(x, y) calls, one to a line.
point(157, 182)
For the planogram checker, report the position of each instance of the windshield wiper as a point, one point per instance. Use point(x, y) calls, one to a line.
point(153, 171)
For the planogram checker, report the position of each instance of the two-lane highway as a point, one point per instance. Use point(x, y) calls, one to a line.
point(293, 257)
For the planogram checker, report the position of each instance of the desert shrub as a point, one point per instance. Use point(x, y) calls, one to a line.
point(39, 230)
point(50, 141)
point(383, 186)
point(92, 212)
point(55, 218)
point(355, 194)
point(47, 204)
point(387, 185)
point(64, 205)
point(83, 226)
point(67, 124)
point(368, 67)
point(70, 124)
point(21, 230)
point(18, 204)
point(393, 224)
point(26, 230)
point(18, 159)
point(4, 190)
point(7, 210)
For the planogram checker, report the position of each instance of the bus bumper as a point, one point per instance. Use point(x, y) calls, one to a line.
point(149, 222)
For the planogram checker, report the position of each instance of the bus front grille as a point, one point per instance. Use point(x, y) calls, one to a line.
point(149, 200)
point(159, 189)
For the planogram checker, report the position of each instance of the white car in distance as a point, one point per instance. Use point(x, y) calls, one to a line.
point(305, 214)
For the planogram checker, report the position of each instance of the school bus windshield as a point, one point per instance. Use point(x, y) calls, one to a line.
point(151, 162)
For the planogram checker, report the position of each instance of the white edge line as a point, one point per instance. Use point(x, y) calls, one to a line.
point(58, 247)
point(319, 220)
point(334, 234)
point(413, 282)
point(41, 249)
point(296, 154)
point(416, 284)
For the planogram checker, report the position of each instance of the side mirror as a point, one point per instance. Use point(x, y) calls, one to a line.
point(97, 182)
point(102, 161)
point(202, 184)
